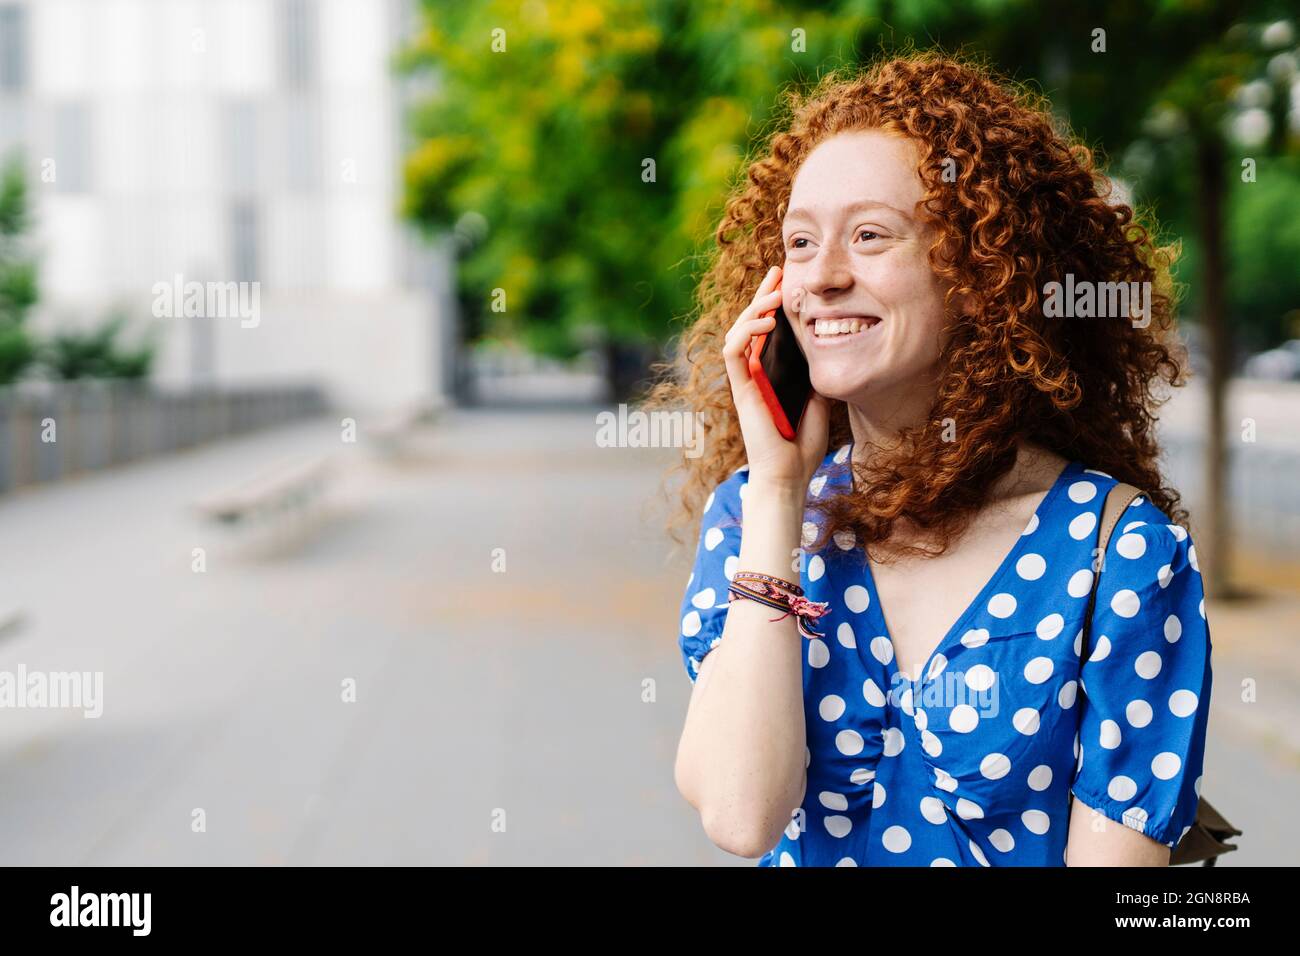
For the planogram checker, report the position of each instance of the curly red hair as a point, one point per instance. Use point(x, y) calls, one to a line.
point(1027, 207)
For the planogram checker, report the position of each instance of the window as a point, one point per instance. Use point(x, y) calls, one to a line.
point(13, 47)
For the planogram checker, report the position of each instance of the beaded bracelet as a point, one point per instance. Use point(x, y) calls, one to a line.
point(779, 594)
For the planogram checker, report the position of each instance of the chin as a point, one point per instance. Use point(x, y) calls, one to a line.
point(837, 386)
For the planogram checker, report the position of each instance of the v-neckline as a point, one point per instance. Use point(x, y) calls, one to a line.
point(981, 598)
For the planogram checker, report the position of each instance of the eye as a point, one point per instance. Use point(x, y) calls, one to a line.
point(796, 240)
point(868, 233)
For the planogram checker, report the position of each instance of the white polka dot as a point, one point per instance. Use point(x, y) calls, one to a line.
point(978, 853)
point(963, 718)
point(882, 649)
point(816, 568)
point(931, 744)
point(942, 861)
point(792, 829)
point(847, 861)
point(1182, 703)
point(1080, 583)
point(1147, 665)
point(844, 634)
point(905, 702)
point(1121, 788)
point(1002, 840)
point(1002, 605)
point(849, 743)
point(817, 484)
point(819, 654)
point(705, 599)
point(969, 809)
point(1173, 629)
point(995, 766)
point(896, 839)
point(729, 565)
point(893, 741)
point(1109, 734)
point(1082, 492)
point(1025, 720)
point(1050, 626)
point(1201, 608)
point(862, 775)
point(1131, 546)
point(1179, 531)
point(712, 538)
point(1131, 525)
point(980, 677)
point(1040, 778)
point(936, 666)
point(831, 707)
point(1125, 603)
point(1031, 566)
point(1164, 576)
point(933, 810)
point(832, 800)
point(842, 454)
point(1101, 649)
point(1165, 765)
point(1138, 713)
point(1036, 821)
point(944, 780)
point(1081, 526)
point(845, 540)
point(786, 859)
point(856, 598)
point(1038, 670)
point(877, 795)
point(1032, 526)
point(1191, 558)
point(1068, 693)
point(709, 504)
point(838, 826)
point(1135, 818)
point(809, 533)
point(872, 693)
point(691, 623)
point(976, 637)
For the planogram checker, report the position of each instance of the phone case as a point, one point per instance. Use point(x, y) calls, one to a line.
point(765, 389)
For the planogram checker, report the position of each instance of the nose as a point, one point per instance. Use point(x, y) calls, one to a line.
point(828, 274)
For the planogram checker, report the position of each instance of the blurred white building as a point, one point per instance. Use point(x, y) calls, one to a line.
point(220, 141)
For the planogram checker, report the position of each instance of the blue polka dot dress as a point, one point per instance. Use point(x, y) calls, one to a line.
point(973, 763)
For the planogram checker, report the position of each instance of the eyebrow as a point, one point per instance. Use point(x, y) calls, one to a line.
point(861, 205)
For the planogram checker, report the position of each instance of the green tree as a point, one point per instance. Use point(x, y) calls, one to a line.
point(18, 291)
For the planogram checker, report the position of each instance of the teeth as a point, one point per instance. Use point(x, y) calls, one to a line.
point(839, 326)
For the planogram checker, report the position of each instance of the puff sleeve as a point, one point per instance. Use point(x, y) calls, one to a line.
point(1146, 683)
point(705, 602)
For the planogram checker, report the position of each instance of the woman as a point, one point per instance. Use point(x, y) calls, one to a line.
point(942, 499)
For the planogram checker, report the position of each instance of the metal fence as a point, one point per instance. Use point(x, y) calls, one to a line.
point(1263, 489)
point(52, 430)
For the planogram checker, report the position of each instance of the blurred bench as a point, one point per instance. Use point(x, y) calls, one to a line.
point(391, 433)
point(11, 620)
point(288, 485)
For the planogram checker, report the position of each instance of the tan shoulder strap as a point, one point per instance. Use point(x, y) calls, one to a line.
point(1117, 501)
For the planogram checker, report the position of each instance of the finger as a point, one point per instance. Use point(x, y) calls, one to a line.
point(759, 306)
point(738, 342)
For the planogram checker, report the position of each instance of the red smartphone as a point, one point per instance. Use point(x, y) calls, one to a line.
point(780, 370)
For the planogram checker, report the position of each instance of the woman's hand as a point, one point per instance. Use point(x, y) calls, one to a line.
point(772, 459)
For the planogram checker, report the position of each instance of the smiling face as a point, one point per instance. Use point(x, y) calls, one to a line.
point(856, 246)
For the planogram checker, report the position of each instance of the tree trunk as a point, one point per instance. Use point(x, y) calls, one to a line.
point(1214, 562)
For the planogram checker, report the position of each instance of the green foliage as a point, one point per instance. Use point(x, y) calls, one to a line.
point(548, 142)
point(96, 353)
point(18, 290)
